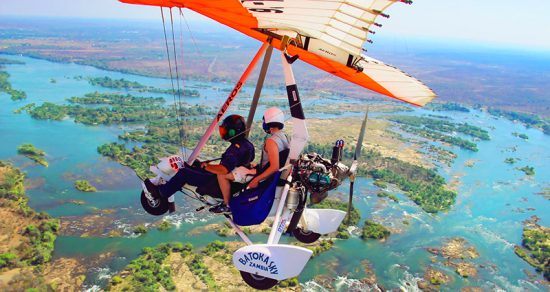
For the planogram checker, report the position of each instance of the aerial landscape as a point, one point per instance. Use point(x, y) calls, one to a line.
point(451, 196)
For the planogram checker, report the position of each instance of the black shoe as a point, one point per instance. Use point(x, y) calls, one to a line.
point(171, 207)
point(221, 209)
point(152, 189)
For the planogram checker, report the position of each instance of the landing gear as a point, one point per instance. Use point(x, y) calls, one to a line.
point(258, 282)
point(305, 236)
point(155, 207)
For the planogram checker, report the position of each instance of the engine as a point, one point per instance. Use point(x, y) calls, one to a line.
point(319, 175)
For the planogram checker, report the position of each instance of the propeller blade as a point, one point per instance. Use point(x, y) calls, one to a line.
point(353, 168)
point(350, 203)
point(361, 137)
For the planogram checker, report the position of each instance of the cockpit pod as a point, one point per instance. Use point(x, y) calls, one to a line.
point(272, 261)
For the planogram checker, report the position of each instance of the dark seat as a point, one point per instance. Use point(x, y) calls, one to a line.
point(213, 189)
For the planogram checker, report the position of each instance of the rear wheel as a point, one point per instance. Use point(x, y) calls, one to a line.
point(258, 282)
point(305, 236)
point(154, 207)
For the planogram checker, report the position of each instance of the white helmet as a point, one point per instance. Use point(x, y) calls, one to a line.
point(273, 117)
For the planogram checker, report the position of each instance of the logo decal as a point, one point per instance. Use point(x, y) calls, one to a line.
point(282, 226)
point(263, 6)
point(259, 261)
point(229, 100)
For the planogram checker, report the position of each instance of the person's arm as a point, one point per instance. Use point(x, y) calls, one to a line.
point(215, 168)
point(273, 155)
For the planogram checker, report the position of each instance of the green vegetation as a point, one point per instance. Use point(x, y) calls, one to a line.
point(374, 230)
point(148, 272)
point(5, 86)
point(84, 186)
point(355, 216)
point(48, 111)
point(11, 182)
point(42, 240)
point(214, 247)
point(535, 248)
point(140, 229)
point(388, 195)
point(164, 225)
point(4, 61)
point(430, 196)
point(41, 236)
point(529, 120)
point(380, 184)
point(8, 260)
point(122, 83)
point(107, 109)
point(510, 160)
point(33, 153)
point(528, 170)
point(424, 186)
point(25, 108)
point(450, 106)
point(139, 159)
point(520, 135)
point(443, 126)
point(437, 129)
point(198, 268)
point(292, 282)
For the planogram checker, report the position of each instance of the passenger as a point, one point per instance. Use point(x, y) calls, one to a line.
point(271, 161)
point(239, 153)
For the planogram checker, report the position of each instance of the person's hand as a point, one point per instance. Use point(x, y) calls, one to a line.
point(253, 184)
point(204, 165)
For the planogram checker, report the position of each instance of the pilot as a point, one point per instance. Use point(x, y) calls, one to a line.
point(239, 153)
point(274, 155)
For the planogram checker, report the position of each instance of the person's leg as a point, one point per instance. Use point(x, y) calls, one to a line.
point(187, 175)
point(224, 180)
point(175, 183)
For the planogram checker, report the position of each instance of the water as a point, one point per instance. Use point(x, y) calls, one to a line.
point(493, 197)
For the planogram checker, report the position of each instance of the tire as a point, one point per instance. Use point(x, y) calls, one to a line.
point(258, 282)
point(157, 207)
point(305, 236)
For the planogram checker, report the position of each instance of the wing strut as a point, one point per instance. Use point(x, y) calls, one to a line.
point(226, 104)
point(259, 86)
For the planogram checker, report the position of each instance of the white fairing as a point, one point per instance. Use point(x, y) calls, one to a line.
point(323, 221)
point(275, 261)
point(340, 23)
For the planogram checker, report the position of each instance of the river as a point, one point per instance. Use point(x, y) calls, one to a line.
point(493, 197)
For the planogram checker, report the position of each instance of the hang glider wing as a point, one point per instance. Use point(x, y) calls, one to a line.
point(328, 34)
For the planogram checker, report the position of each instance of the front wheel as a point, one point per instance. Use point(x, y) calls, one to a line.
point(258, 282)
point(305, 236)
point(154, 207)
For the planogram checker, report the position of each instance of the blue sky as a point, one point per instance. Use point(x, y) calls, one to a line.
point(524, 24)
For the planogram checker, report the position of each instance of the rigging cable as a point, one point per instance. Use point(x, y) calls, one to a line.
point(180, 90)
point(170, 68)
point(182, 80)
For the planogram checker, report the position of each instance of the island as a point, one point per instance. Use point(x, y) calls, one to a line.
point(528, 119)
point(122, 83)
point(5, 86)
point(84, 186)
point(439, 130)
point(30, 151)
point(528, 170)
point(535, 248)
point(374, 230)
point(510, 160)
point(520, 135)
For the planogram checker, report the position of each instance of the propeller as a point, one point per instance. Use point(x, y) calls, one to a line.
point(353, 168)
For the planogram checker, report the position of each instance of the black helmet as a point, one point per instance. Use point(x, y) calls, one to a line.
point(232, 126)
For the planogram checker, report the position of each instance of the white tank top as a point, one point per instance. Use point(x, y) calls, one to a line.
point(282, 144)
